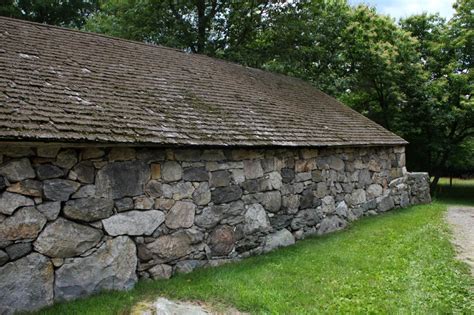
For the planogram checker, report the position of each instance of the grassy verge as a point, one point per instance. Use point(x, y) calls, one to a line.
point(400, 262)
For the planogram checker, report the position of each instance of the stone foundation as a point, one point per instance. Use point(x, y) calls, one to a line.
point(74, 221)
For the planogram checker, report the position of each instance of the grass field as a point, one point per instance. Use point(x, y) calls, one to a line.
point(400, 262)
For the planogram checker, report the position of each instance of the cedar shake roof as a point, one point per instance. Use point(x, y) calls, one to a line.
point(64, 85)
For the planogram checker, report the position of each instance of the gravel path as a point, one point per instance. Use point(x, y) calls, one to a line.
point(462, 221)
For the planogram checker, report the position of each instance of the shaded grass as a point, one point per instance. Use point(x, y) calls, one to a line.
point(462, 191)
point(399, 262)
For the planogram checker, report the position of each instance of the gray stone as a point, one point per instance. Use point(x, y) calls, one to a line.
point(317, 176)
point(161, 271)
point(48, 171)
point(111, 267)
point(364, 177)
point(187, 266)
point(17, 170)
point(195, 174)
point(9, 202)
point(84, 192)
point(122, 154)
point(358, 196)
point(226, 194)
point(307, 217)
point(143, 203)
point(59, 189)
point(328, 204)
point(291, 203)
point(222, 240)
point(278, 239)
point(219, 179)
point(3, 258)
point(134, 222)
point(252, 169)
point(331, 224)
point(170, 247)
point(63, 238)
point(124, 204)
point(18, 250)
point(85, 172)
point(336, 163)
point(287, 175)
point(3, 183)
point(280, 221)
point(342, 210)
point(238, 175)
point(183, 190)
point(47, 151)
point(385, 203)
point(202, 194)
point(50, 209)
point(164, 204)
point(164, 306)
point(307, 199)
point(404, 199)
point(154, 189)
point(171, 171)
point(256, 219)
point(27, 187)
point(89, 209)
point(274, 180)
point(271, 200)
point(321, 189)
point(302, 177)
point(26, 284)
point(374, 190)
point(66, 159)
point(181, 215)
point(211, 215)
point(122, 179)
point(26, 223)
point(92, 153)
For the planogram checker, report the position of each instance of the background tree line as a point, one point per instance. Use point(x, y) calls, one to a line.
point(414, 76)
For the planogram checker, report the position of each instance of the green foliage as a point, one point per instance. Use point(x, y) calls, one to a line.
point(70, 13)
point(401, 262)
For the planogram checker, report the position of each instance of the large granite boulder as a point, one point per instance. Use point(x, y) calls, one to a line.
point(59, 189)
point(122, 179)
point(181, 215)
point(134, 222)
point(26, 284)
point(256, 219)
point(169, 247)
point(111, 267)
point(9, 202)
point(17, 170)
point(89, 209)
point(64, 238)
point(26, 223)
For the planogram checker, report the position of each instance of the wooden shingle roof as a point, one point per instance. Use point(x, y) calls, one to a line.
point(63, 85)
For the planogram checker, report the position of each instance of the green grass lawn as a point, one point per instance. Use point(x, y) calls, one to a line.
point(399, 262)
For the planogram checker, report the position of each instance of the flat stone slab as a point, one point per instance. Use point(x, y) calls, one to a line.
point(164, 306)
point(462, 221)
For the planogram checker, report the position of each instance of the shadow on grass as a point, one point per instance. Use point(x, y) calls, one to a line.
point(460, 193)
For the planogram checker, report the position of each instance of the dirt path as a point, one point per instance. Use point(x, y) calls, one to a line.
point(462, 221)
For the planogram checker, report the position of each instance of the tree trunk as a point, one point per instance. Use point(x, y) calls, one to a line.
point(201, 36)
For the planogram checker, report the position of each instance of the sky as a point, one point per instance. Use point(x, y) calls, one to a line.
point(403, 8)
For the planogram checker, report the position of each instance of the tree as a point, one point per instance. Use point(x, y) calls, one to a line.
point(212, 27)
point(69, 13)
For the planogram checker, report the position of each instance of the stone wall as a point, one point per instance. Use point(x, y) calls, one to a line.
point(74, 221)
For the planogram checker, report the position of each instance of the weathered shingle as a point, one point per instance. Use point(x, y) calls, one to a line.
point(64, 85)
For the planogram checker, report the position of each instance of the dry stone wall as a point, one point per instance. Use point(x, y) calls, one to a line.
point(74, 221)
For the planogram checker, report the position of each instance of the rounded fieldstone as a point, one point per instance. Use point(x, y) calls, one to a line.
point(59, 189)
point(222, 240)
point(17, 170)
point(181, 215)
point(9, 202)
point(48, 171)
point(88, 209)
point(63, 238)
point(171, 171)
point(26, 223)
point(134, 222)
